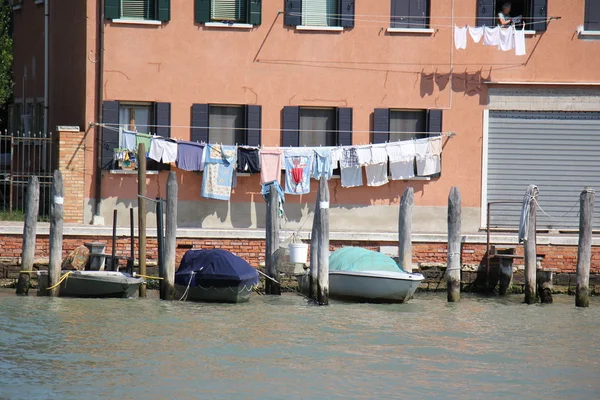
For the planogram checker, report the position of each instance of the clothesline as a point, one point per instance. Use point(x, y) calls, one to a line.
point(388, 16)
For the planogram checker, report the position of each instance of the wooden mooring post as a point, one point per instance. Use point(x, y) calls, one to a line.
point(584, 250)
point(160, 241)
point(323, 243)
point(167, 284)
point(142, 213)
point(56, 233)
point(454, 245)
point(506, 274)
point(32, 206)
point(405, 229)
point(530, 246)
point(544, 285)
point(272, 242)
point(313, 291)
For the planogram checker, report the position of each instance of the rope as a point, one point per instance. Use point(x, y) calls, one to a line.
point(62, 278)
point(27, 272)
point(267, 276)
point(187, 289)
point(146, 276)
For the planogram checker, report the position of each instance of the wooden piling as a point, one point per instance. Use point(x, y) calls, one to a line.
point(584, 250)
point(272, 242)
point(313, 291)
point(142, 212)
point(323, 246)
point(405, 228)
point(544, 285)
point(506, 275)
point(530, 247)
point(454, 245)
point(160, 239)
point(32, 204)
point(56, 232)
point(168, 284)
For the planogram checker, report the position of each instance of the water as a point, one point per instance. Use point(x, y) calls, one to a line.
point(275, 348)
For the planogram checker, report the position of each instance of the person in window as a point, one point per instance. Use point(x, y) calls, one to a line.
point(504, 18)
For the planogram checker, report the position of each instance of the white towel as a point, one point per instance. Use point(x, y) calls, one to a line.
point(520, 42)
point(507, 38)
point(161, 149)
point(364, 155)
point(476, 33)
point(491, 36)
point(379, 154)
point(460, 37)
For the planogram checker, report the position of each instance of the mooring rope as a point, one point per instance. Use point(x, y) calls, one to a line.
point(62, 278)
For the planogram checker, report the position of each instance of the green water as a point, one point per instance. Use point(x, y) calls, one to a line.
point(281, 348)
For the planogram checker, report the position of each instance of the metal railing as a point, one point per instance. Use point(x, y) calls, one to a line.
point(23, 156)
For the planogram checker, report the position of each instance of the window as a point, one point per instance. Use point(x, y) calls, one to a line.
point(226, 124)
point(319, 13)
point(236, 11)
point(534, 12)
point(592, 15)
point(316, 126)
point(401, 124)
point(138, 10)
point(228, 10)
point(410, 14)
point(135, 117)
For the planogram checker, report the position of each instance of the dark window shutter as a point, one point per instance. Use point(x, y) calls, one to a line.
point(253, 125)
point(110, 134)
point(434, 121)
point(539, 9)
point(381, 125)
point(486, 14)
point(291, 125)
point(202, 11)
point(163, 12)
point(399, 11)
point(254, 12)
point(592, 15)
point(162, 118)
point(199, 123)
point(347, 13)
point(293, 12)
point(344, 126)
point(112, 9)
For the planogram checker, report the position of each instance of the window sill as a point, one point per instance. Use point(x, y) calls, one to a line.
point(320, 28)
point(226, 25)
point(136, 21)
point(416, 178)
point(130, 172)
point(425, 31)
point(39, 2)
point(589, 33)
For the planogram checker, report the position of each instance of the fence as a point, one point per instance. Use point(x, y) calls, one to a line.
point(22, 156)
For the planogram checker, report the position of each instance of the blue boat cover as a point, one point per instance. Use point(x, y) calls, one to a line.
point(216, 268)
point(361, 260)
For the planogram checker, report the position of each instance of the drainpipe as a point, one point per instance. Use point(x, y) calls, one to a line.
point(99, 99)
point(46, 63)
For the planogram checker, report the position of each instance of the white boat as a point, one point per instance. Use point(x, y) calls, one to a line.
point(93, 284)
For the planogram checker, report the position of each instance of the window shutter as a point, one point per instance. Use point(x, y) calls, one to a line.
point(291, 125)
point(486, 13)
point(293, 12)
point(199, 123)
point(254, 12)
point(253, 125)
point(381, 125)
point(347, 13)
point(163, 10)
point(202, 11)
point(399, 11)
point(110, 134)
point(592, 15)
point(434, 121)
point(344, 126)
point(162, 118)
point(539, 9)
point(112, 9)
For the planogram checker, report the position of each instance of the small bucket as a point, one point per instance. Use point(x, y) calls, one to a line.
point(298, 253)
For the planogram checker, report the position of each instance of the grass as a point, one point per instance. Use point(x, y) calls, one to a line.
point(18, 215)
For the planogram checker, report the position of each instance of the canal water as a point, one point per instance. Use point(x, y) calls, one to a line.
point(282, 348)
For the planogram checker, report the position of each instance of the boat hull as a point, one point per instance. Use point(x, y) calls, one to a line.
point(94, 284)
point(227, 294)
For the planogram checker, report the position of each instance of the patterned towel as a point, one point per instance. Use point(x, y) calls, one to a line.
point(218, 171)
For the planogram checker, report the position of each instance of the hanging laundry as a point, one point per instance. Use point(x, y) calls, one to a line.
point(190, 156)
point(507, 38)
point(349, 158)
point(322, 166)
point(402, 159)
point(427, 163)
point(460, 37)
point(377, 174)
point(336, 156)
point(274, 185)
point(145, 139)
point(298, 165)
point(379, 153)
point(520, 42)
point(404, 169)
point(270, 165)
point(218, 171)
point(162, 149)
point(248, 160)
point(476, 33)
point(128, 140)
point(435, 146)
point(491, 36)
point(351, 176)
point(363, 153)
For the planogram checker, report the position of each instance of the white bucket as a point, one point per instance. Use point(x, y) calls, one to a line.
point(298, 253)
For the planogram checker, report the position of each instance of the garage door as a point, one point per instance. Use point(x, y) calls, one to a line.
point(557, 151)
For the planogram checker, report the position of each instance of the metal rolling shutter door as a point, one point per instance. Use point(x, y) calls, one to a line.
point(557, 151)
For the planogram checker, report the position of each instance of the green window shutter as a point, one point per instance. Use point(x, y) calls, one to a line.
point(112, 9)
point(163, 10)
point(254, 12)
point(202, 11)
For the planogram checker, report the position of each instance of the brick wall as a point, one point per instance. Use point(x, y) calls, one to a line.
point(71, 162)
